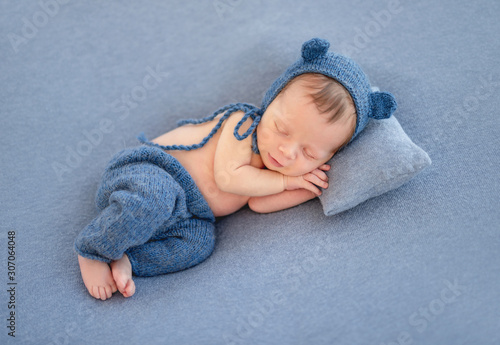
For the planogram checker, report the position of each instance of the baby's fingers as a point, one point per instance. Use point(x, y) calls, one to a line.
point(320, 174)
point(317, 180)
point(311, 187)
point(325, 167)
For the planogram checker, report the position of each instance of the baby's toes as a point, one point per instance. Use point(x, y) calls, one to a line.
point(94, 292)
point(108, 291)
point(129, 289)
point(105, 292)
point(98, 292)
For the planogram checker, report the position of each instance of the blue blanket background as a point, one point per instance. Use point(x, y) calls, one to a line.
point(419, 265)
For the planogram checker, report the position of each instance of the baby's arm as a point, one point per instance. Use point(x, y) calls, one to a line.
point(235, 174)
point(284, 200)
point(280, 201)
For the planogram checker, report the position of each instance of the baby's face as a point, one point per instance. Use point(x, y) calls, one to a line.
point(294, 138)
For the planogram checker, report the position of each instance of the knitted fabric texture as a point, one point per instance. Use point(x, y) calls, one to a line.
point(152, 210)
point(315, 59)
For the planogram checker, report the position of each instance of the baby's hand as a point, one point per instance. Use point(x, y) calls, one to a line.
point(310, 181)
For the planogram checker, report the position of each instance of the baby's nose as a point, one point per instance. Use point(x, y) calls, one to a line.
point(289, 151)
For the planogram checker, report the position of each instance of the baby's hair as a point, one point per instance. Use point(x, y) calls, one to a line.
point(330, 97)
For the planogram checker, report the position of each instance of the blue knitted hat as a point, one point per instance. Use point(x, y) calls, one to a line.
point(316, 59)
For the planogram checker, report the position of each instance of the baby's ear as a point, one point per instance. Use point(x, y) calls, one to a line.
point(383, 104)
point(314, 48)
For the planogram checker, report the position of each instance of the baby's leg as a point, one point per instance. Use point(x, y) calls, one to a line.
point(142, 197)
point(134, 200)
point(190, 242)
point(97, 278)
point(122, 274)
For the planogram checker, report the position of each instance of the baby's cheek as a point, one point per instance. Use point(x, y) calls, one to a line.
point(313, 166)
point(265, 136)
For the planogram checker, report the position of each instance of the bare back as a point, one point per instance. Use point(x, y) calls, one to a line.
point(200, 164)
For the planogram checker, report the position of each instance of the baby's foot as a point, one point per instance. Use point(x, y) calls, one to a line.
point(97, 278)
point(122, 273)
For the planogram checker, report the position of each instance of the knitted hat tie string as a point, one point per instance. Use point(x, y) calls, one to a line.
point(250, 111)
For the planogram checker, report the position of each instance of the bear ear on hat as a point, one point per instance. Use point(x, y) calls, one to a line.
point(314, 48)
point(383, 104)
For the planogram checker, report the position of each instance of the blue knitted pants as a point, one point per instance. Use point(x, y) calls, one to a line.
point(151, 210)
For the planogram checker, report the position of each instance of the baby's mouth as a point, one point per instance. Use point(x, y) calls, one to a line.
point(274, 161)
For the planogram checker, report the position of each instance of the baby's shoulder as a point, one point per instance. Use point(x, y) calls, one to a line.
point(235, 118)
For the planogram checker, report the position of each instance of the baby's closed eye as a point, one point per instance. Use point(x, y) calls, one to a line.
point(280, 129)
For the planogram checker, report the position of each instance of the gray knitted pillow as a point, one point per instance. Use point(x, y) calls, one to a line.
point(382, 158)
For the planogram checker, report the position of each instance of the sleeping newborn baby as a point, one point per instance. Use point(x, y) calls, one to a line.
point(158, 202)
